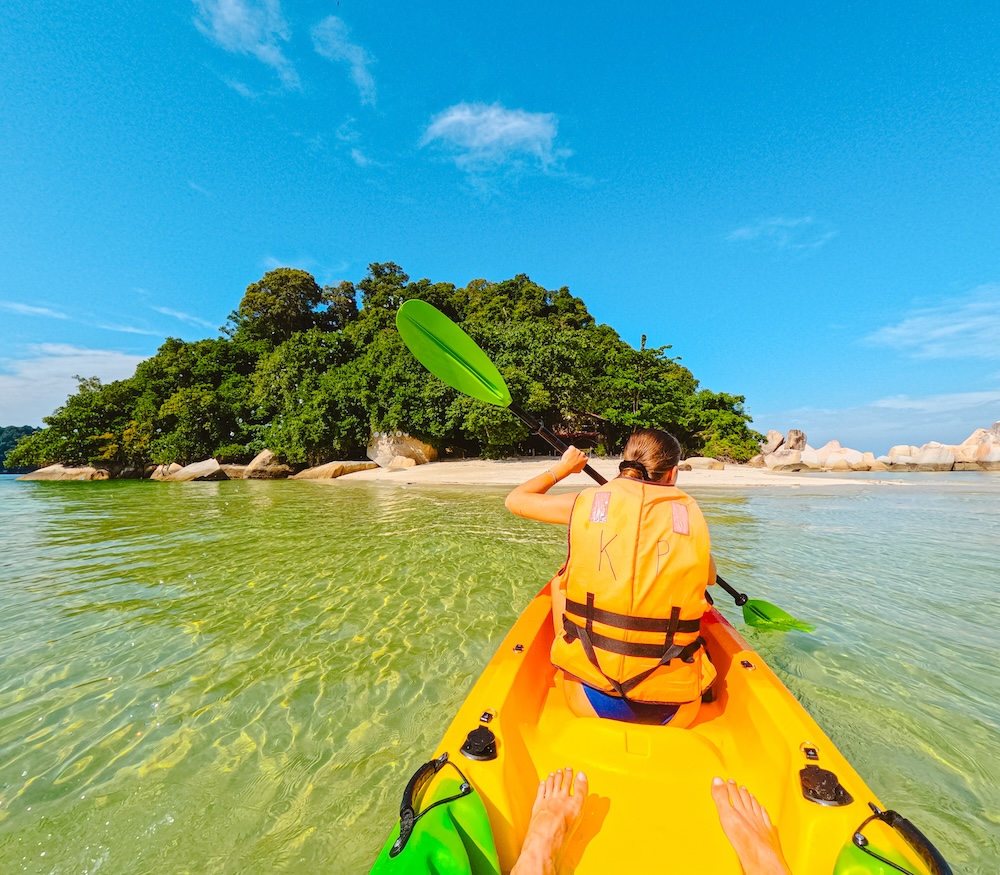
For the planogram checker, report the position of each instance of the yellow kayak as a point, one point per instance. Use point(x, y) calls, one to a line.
point(650, 808)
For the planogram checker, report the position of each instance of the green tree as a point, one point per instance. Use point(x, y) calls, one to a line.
point(309, 405)
point(723, 427)
point(341, 306)
point(188, 427)
point(9, 437)
point(282, 302)
point(85, 429)
point(11, 434)
point(643, 388)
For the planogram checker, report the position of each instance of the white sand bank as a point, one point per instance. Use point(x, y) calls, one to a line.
point(510, 472)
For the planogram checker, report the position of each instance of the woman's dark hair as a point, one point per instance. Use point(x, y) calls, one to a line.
point(649, 454)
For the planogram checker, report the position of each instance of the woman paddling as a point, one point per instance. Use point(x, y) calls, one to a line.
point(628, 602)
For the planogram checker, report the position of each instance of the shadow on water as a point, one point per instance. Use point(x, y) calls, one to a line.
point(239, 677)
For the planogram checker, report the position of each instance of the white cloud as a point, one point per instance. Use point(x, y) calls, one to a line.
point(129, 329)
point(346, 132)
point(330, 38)
point(183, 317)
point(323, 272)
point(34, 386)
point(28, 310)
point(249, 27)
point(964, 328)
point(784, 234)
point(195, 187)
point(241, 88)
point(362, 160)
point(45, 312)
point(897, 419)
point(484, 136)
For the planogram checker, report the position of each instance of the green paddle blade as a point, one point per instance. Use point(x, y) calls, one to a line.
point(449, 353)
point(764, 615)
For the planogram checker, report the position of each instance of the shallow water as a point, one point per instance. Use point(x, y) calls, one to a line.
point(240, 677)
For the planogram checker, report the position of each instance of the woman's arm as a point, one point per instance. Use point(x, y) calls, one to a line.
point(530, 501)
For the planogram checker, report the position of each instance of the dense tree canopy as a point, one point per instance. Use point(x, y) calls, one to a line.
point(306, 372)
point(9, 436)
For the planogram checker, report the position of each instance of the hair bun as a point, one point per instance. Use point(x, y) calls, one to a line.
point(635, 466)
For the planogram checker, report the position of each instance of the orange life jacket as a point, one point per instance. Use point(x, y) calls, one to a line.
point(639, 561)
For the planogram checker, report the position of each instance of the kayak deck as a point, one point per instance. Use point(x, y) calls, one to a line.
point(650, 807)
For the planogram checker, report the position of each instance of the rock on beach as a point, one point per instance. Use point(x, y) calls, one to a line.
point(333, 469)
point(209, 469)
point(67, 472)
point(700, 463)
point(978, 452)
point(384, 449)
point(266, 466)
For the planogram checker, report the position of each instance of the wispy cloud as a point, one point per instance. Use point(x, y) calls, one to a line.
point(33, 386)
point(933, 405)
point(897, 419)
point(363, 160)
point(195, 187)
point(482, 137)
point(800, 234)
point(129, 329)
point(183, 317)
point(323, 272)
point(964, 328)
point(331, 40)
point(249, 27)
point(47, 313)
point(347, 133)
point(29, 310)
point(241, 88)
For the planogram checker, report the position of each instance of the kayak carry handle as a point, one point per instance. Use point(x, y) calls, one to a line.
point(929, 855)
point(414, 788)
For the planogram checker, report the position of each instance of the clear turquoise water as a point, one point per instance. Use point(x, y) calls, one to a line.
point(239, 677)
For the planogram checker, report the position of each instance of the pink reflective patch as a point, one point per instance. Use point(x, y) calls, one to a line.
point(682, 525)
point(599, 509)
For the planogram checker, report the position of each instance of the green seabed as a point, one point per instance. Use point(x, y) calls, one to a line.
point(239, 677)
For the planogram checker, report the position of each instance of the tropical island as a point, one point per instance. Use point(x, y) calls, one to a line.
point(311, 373)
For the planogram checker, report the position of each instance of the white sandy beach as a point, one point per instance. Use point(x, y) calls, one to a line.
point(510, 472)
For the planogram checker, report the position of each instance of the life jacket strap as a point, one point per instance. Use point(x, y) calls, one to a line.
point(591, 640)
point(616, 645)
point(628, 623)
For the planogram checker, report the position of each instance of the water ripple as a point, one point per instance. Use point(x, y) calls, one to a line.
point(240, 677)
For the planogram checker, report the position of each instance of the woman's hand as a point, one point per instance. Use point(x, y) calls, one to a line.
point(573, 461)
point(529, 499)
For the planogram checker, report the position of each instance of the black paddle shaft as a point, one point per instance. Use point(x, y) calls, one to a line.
point(738, 597)
point(535, 426)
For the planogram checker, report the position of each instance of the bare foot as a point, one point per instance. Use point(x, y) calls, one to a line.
point(554, 816)
point(749, 829)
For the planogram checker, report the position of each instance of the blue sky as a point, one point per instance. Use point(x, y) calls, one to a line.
point(803, 199)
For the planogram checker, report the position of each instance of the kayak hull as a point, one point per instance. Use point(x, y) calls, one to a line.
point(650, 807)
